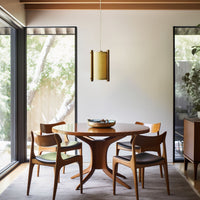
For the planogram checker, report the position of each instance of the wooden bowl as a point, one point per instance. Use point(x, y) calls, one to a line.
point(96, 123)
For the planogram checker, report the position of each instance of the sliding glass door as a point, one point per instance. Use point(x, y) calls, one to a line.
point(12, 93)
point(51, 63)
point(5, 97)
point(6, 134)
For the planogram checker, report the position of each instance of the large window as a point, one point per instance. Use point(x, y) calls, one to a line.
point(12, 93)
point(51, 63)
point(12, 125)
point(5, 96)
point(186, 82)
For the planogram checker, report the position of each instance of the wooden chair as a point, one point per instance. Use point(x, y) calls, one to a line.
point(143, 159)
point(127, 146)
point(70, 145)
point(56, 159)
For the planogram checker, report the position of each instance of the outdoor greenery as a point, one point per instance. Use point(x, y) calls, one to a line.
point(48, 63)
point(196, 48)
point(184, 46)
point(56, 66)
point(5, 87)
point(62, 69)
point(191, 80)
point(192, 85)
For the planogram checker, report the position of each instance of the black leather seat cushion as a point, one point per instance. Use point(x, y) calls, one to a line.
point(147, 158)
point(143, 158)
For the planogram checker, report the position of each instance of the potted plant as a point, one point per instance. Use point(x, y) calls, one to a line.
point(192, 86)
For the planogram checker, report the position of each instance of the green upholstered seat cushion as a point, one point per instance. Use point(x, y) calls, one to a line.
point(51, 157)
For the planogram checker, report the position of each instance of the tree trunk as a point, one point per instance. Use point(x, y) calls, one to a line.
point(39, 68)
point(66, 107)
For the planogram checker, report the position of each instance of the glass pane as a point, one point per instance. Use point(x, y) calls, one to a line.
point(50, 78)
point(187, 82)
point(5, 97)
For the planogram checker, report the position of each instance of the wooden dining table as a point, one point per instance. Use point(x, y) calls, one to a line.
point(99, 147)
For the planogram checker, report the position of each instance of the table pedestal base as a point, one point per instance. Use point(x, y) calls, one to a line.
point(98, 160)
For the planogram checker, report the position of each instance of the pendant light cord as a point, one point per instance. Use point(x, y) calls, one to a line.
point(100, 24)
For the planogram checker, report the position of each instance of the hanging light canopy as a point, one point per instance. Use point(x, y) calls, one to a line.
point(100, 61)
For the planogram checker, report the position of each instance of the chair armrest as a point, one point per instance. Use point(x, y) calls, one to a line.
point(69, 148)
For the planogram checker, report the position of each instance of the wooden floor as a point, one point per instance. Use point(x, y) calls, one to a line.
point(189, 175)
point(4, 183)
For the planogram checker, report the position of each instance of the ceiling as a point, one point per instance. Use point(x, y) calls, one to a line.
point(113, 4)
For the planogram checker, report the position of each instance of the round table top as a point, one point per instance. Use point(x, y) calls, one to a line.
point(83, 129)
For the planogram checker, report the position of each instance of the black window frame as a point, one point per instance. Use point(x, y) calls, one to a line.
point(18, 98)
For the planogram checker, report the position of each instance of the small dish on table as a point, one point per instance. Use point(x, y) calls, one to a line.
point(101, 123)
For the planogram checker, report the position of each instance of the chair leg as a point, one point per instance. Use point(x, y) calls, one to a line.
point(38, 170)
point(134, 170)
point(29, 177)
point(56, 178)
point(38, 167)
point(115, 169)
point(117, 149)
point(64, 170)
point(161, 173)
point(139, 174)
point(81, 174)
point(64, 166)
point(81, 169)
point(166, 177)
point(80, 151)
point(142, 177)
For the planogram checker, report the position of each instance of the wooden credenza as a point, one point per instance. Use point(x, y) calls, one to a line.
point(192, 143)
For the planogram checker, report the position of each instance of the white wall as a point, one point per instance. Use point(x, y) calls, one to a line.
point(141, 47)
point(15, 8)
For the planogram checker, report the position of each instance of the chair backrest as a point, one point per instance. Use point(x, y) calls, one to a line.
point(45, 140)
point(154, 128)
point(47, 128)
point(148, 143)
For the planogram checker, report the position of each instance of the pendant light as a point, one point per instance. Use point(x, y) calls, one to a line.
point(100, 61)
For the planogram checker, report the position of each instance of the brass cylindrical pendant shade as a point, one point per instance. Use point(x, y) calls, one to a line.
point(100, 65)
